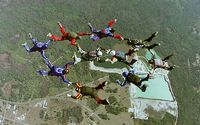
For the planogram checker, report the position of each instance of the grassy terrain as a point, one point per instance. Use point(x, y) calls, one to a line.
point(136, 19)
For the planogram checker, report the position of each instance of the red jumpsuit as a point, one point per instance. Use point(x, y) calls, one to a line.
point(71, 36)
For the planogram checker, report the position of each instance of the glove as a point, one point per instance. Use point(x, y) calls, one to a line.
point(117, 81)
point(68, 95)
point(69, 83)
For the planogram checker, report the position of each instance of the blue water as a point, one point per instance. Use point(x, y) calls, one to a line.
point(158, 87)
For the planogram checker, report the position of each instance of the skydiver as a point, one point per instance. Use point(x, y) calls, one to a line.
point(131, 77)
point(138, 44)
point(160, 63)
point(38, 46)
point(57, 71)
point(71, 36)
point(122, 57)
point(81, 91)
point(107, 32)
point(94, 55)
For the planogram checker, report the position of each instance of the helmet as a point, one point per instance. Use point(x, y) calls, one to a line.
point(99, 53)
point(125, 74)
point(138, 41)
point(112, 30)
point(46, 45)
point(112, 52)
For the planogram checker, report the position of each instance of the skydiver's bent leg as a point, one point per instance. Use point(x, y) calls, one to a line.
point(94, 37)
point(80, 50)
point(34, 48)
point(122, 84)
point(34, 41)
point(56, 38)
point(100, 86)
point(26, 47)
point(100, 101)
point(91, 28)
point(133, 61)
point(152, 46)
point(143, 86)
point(145, 79)
point(151, 37)
point(73, 41)
point(62, 30)
point(169, 68)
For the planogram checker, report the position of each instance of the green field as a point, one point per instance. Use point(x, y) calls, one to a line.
point(177, 21)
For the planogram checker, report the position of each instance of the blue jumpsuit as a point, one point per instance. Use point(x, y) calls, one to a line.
point(38, 46)
point(56, 71)
point(98, 34)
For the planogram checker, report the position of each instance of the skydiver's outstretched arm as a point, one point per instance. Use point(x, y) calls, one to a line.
point(151, 37)
point(43, 55)
point(64, 79)
point(68, 65)
point(166, 58)
point(48, 42)
point(42, 72)
point(83, 34)
point(78, 96)
point(25, 45)
point(48, 63)
point(112, 60)
point(117, 36)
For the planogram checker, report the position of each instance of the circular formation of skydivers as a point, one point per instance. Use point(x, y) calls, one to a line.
point(129, 76)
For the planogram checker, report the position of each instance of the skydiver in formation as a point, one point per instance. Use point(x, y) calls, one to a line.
point(71, 36)
point(107, 32)
point(38, 46)
point(160, 63)
point(131, 77)
point(94, 55)
point(122, 57)
point(138, 44)
point(89, 91)
point(57, 71)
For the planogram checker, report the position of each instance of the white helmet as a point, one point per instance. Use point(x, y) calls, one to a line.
point(99, 53)
point(112, 52)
